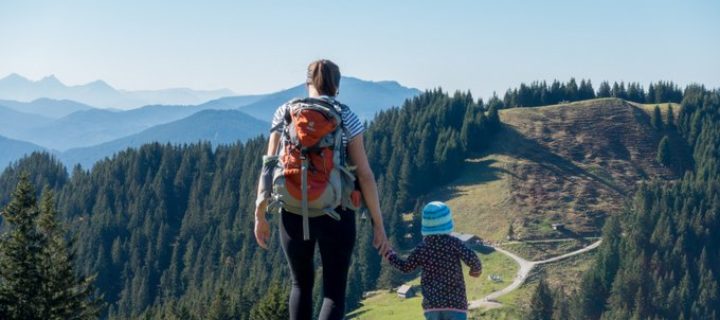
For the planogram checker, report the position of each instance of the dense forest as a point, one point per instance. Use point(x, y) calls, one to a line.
point(661, 258)
point(168, 230)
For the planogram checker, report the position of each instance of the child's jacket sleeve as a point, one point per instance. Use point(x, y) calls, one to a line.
point(469, 257)
point(413, 261)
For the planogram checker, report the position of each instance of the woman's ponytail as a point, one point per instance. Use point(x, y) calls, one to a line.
point(324, 75)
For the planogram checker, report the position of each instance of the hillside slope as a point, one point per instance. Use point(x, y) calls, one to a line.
point(570, 163)
point(13, 122)
point(214, 126)
point(11, 150)
point(49, 108)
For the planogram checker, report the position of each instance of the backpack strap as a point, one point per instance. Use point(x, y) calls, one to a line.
point(304, 200)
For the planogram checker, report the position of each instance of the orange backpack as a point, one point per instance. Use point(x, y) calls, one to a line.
point(312, 177)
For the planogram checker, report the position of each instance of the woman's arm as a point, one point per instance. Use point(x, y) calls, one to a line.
point(356, 150)
point(262, 229)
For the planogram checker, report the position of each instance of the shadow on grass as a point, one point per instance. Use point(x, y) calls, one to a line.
point(517, 145)
point(482, 171)
point(476, 173)
point(581, 238)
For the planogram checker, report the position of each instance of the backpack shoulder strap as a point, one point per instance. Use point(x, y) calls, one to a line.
point(319, 105)
point(290, 105)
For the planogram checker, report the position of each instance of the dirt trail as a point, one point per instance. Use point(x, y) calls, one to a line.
point(525, 268)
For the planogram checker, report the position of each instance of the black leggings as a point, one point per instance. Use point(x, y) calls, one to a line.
point(336, 240)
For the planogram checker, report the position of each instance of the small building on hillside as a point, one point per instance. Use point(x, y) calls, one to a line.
point(469, 239)
point(558, 226)
point(495, 278)
point(406, 291)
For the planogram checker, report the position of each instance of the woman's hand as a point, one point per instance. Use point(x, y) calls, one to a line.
point(356, 150)
point(380, 240)
point(262, 228)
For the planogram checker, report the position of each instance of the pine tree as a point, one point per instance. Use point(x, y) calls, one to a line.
point(541, 303)
point(20, 257)
point(664, 154)
point(493, 118)
point(604, 90)
point(272, 306)
point(656, 119)
point(586, 90)
point(219, 309)
point(37, 279)
point(670, 117)
point(571, 90)
point(66, 295)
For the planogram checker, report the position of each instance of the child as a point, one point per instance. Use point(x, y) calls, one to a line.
point(439, 255)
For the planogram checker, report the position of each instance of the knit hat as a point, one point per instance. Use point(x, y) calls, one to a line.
point(436, 219)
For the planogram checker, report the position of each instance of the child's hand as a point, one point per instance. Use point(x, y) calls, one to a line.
point(387, 254)
point(475, 274)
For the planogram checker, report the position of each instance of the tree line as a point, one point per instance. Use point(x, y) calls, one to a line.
point(540, 93)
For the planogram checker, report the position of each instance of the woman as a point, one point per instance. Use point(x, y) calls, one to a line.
point(336, 238)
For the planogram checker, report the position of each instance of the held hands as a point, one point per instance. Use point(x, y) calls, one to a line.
point(380, 240)
point(262, 228)
point(388, 253)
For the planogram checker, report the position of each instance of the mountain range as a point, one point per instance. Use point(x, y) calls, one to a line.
point(219, 127)
point(49, 108)
point(83, 133)
point(99, 93)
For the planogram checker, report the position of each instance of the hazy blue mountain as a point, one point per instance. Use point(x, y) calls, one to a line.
point(95, 126)
point(92, 126)
point(364, 97)
point(12, 150)
point(215, 126)
point(45, 107)
point(99, 93)
point(179, 95)
point(14, 123)
point(232, 102)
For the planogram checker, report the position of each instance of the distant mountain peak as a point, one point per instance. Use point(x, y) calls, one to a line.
point(14, 77)
point(99, 84)
point(51, 80)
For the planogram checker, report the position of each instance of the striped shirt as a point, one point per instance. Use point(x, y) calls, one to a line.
point(352, 127)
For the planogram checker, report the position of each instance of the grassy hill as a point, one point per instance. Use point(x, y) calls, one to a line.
point(569, 163)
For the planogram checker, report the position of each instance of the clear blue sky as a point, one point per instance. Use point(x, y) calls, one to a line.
point(262, 46)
